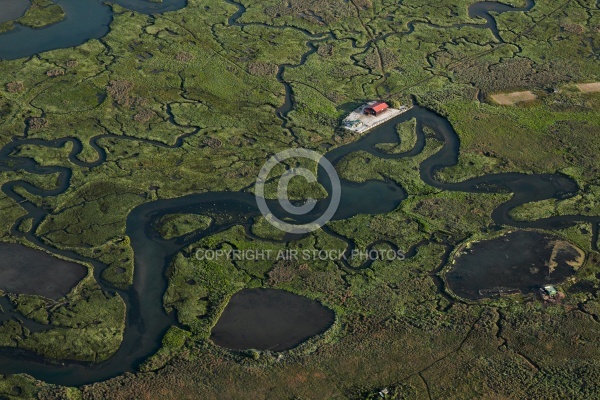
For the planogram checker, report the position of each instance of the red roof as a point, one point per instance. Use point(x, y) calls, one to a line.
point(379, 106)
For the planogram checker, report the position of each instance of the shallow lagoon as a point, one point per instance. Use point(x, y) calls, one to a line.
point(270, 319)
point(520, 261)
point(28, 271)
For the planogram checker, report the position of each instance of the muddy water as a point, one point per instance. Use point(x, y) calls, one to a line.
point(269, 319)
point(27, 271)
point(521, 261)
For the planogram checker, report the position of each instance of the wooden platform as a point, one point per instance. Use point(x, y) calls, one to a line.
point(358, 121)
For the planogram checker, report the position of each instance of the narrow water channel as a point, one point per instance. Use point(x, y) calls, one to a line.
point(146, 318)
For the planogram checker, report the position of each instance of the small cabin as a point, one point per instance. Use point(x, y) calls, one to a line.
point(376, 108)
point(549, 290)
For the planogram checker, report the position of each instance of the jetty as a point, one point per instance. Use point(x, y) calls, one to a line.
point(370, 115)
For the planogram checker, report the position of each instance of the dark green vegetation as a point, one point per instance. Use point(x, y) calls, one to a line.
point(41, 13)
point(85, 325)
point(407, 138)
point(190, 75)
point(175, 225)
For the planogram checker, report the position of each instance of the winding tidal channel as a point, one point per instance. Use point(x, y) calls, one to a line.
point(147, 320)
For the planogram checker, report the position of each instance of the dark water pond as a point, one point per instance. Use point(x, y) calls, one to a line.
point(269, 319)
point(28, 271)
point(12, 9)
point(520, 261)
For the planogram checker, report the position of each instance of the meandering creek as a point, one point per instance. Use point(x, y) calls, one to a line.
point(146, 318)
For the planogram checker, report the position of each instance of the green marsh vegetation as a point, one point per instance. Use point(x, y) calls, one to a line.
point(175, 225)
point(85, 325)
point(184, 103)
point(407, 138)
point(41, 13)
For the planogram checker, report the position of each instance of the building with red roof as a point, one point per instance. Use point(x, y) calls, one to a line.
point(376, 108)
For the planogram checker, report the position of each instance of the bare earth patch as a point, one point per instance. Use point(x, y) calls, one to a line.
point(589, 87)
point(509, 99)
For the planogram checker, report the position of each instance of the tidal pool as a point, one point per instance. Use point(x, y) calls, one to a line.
point(28, 271)
point(270, 319)
point(518, 262)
